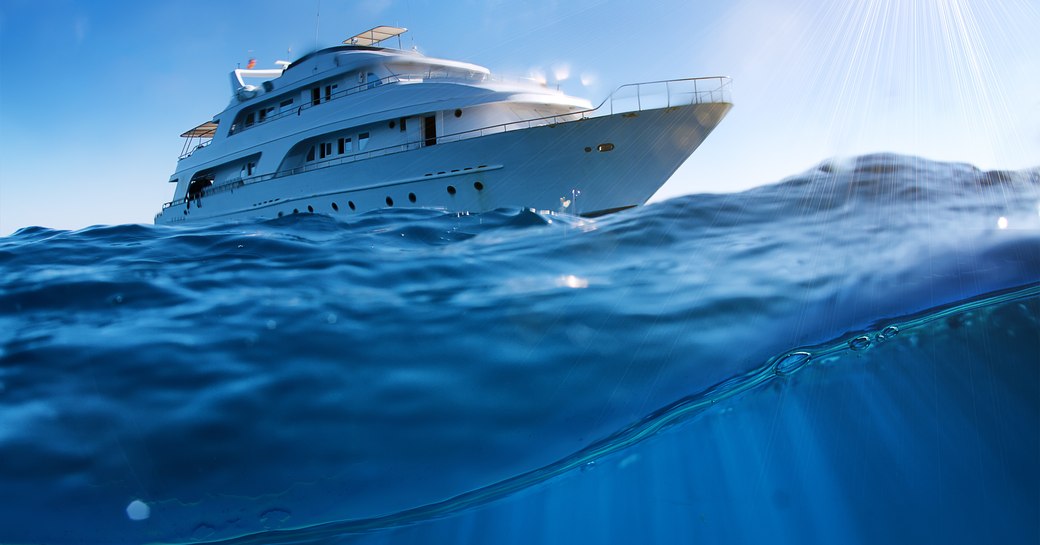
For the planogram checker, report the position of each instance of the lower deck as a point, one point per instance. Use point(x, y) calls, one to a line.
point(585, 167)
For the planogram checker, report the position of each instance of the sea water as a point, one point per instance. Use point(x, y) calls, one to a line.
point(851, 355)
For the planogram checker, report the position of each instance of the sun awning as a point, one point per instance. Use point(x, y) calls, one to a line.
point(375, 35)
point(205, 130)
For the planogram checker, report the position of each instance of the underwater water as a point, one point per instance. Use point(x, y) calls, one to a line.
point(851, 355)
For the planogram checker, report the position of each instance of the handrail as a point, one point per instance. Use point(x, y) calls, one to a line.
point(307, 104)
point(430, 74)
point(719, 94)
point(371, 84)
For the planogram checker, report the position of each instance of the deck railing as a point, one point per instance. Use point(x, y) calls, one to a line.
point(651, 95)
point(308, 103)
point(411, 77)
point(634, 97)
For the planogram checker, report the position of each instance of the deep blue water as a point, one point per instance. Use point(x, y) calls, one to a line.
point(851, 355)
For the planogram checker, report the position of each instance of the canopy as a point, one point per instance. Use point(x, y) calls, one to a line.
point(205, 130)
point(375, 35)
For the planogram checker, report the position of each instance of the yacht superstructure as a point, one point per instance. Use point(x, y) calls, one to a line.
point(357, 126)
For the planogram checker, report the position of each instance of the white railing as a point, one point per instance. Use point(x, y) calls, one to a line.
point(651, 95)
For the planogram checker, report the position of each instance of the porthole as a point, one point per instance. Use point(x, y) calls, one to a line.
point(335, 207)
point(389, 201)
point(279, 214)
point(451, 190)
point(295, 210)
point(392, 124)
point(351, 205)
point(411, 197)
point(587, 149)
point(310, 208)
point(478, 186)
point(605, 147)
point(458, 113)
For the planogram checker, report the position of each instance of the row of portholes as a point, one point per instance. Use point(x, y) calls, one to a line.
point(478, 185)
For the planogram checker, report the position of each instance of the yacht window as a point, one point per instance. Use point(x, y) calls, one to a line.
point(402, 123)
point(310, 154)
point(315, 96)
point(373, 81)
point(247, 169)
point(285, 105)
point(262, 115)
point(326, 149)
point(328, 93)
point(362, 141)
point(249, 119)
point(345, 145)
point(430, 130)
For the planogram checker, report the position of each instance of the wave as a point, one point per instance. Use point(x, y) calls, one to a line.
point(398, 365)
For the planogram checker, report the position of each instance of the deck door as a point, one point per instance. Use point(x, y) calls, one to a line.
point(430, 130)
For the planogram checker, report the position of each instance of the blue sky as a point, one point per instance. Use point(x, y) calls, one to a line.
point(93, 95)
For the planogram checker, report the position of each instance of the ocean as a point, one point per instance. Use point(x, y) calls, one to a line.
point(850, 355)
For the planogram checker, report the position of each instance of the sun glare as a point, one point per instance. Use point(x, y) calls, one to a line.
point(928, 77)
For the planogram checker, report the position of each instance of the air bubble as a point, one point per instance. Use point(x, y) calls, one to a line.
point(202, 531)
point(274, 518)
point(860, 343)
point(887, 333)
point(138, 510)
point(792, 362)
point(628, 460)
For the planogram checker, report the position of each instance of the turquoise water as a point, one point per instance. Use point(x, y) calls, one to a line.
point(850, 355)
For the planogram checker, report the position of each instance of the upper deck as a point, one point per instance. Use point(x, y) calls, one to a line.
point(260, 97)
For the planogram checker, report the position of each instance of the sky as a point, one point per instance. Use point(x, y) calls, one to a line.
point(94, 94)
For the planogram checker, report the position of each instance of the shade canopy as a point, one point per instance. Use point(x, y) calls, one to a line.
point(375, 35)
point(205, 130)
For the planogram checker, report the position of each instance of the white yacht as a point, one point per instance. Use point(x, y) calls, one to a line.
point(359, 126)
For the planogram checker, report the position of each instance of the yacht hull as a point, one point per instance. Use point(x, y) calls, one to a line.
point(587, 167)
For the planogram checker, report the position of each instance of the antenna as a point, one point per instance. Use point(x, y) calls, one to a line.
point(317, 20)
